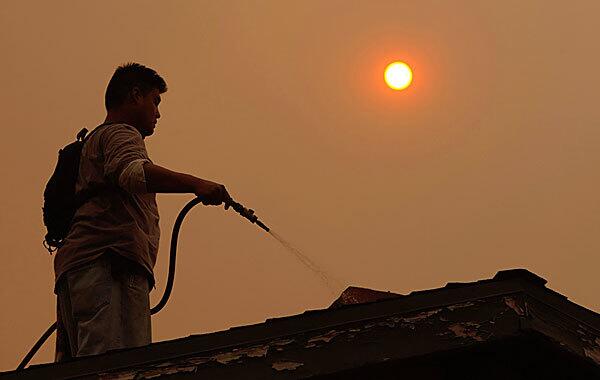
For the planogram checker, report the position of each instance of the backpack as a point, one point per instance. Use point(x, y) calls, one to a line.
point(60, 199)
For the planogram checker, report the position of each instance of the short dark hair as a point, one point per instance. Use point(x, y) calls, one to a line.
point(128, 76)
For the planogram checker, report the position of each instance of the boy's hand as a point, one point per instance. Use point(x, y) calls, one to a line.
point(212, 193)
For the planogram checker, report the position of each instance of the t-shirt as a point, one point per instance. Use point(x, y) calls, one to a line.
point(122, 219)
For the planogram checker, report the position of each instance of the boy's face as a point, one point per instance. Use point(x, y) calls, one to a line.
point(146, 110)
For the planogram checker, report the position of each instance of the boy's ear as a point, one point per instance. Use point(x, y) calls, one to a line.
point(136, 95)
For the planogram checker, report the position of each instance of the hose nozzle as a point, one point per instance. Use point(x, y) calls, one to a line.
point(248, 214)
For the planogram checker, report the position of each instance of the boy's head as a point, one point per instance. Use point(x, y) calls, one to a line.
point(134, 90)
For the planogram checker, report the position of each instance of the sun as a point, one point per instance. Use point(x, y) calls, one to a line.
point(398, 75)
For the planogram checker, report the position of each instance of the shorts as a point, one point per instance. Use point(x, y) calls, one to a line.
point(102, 305)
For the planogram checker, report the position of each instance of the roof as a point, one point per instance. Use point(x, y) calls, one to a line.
point(363, 327)
point(355, 295)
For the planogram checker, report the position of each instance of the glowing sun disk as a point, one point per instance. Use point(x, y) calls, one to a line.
point(398, 75)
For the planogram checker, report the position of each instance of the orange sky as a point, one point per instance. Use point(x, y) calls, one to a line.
point(487, 162)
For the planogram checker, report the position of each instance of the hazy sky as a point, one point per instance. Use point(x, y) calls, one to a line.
point(487, 162)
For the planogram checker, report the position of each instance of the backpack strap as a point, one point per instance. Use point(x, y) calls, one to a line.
point(81, 134)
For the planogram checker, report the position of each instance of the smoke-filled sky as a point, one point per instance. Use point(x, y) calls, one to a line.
point(487, 162)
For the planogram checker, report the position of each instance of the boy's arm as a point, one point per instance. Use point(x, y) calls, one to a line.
point(163, 180)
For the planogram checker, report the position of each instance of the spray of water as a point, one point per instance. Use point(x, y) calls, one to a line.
point(332, 284)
